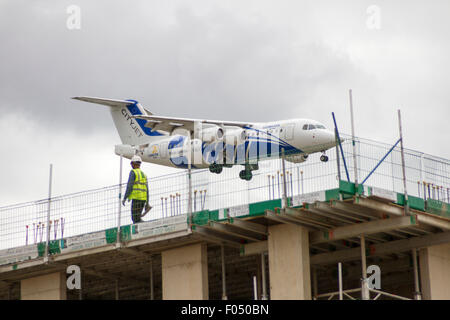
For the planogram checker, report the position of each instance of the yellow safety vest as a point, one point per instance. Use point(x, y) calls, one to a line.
point(139, 191)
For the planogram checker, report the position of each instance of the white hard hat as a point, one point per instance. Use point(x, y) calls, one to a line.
point(136, 159)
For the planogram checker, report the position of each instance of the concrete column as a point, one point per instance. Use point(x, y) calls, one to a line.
point(185, 273)
point(289, 269)
point(434, 272)
point(47, 287)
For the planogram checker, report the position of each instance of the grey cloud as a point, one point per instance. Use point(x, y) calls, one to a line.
point(218, 65)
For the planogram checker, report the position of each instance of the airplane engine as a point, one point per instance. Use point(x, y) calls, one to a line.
point(212, 134)
point(297, 158)
point(125, 150)
point(235, 136)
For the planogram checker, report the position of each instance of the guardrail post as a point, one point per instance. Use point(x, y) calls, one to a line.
point(120, 201)
point(48, 213)
point(403, 163)
point(285, 204)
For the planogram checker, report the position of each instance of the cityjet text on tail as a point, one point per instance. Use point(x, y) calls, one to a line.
point(213, 144)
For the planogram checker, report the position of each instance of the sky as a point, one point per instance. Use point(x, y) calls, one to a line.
point(232, 60)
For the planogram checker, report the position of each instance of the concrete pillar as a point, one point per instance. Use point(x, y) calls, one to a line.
point(185, 273)
point(289, 269)
point(47, 287)
point(435, 272)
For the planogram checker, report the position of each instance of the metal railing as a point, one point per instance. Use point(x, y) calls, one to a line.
point(347, 294)
point(98, 209)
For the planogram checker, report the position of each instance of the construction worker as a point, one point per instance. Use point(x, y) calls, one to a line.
point(137, 191)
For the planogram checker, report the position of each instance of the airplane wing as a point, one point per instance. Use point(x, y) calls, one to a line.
point(170, 123)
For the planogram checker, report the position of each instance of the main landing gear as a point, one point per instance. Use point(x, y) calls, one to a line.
point(216, 168)
point(246, 174)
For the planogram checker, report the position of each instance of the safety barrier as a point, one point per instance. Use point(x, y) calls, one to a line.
point(86, 217)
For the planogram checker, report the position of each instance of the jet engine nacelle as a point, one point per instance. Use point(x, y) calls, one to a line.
point(297, 158)
point(212, 134)
point(125, 150)
point(235, 136)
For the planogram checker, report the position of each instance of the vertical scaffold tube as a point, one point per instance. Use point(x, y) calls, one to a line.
point(285, 204)
point(417, 294)
point(48, 210)
point(120, 201)
point(355, 164)
point(403, 163)
point(224, 280)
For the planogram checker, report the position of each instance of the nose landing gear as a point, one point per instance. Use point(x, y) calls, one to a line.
point(324, 157)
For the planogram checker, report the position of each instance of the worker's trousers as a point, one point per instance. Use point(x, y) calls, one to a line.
point(136, 210)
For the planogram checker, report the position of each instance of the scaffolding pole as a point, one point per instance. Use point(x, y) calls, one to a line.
point(338, 163)
point(403, 163)
point(263, 276)
point(417, 293)
point(355, 165)
point(224, 279)
point(152, 290)
point(340, 147)
point(285, 204)
point(315, 287)
point(340, 281)
point(255, 289)
point(120, 201)
point(365, 294)
point(190, 193)
point(379, 162)
point(48, 211)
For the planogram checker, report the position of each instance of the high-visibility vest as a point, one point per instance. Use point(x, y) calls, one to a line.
point(139, 191)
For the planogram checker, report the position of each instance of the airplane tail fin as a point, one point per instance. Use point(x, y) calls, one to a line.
point(131, 131)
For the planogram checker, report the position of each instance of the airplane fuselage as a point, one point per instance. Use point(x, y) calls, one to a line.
point(297, 138)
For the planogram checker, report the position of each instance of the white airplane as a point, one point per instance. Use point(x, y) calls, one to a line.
point(175, 142)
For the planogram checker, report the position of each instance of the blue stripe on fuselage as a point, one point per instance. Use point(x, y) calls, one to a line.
point(255, 148)
point(134, 110)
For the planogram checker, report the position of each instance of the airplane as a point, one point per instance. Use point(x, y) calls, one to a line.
point(195, 143)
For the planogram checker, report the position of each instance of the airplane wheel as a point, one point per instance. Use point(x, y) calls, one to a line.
point(323, 158)
point(215, 168)
point(245, 175)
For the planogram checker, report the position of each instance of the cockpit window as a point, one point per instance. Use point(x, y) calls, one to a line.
point(313, 126)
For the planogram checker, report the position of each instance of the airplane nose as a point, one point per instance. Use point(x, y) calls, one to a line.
point(331, 139)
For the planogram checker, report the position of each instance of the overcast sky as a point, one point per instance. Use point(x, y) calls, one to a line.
point(232, 60)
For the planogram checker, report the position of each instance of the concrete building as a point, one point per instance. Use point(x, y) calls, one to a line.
point(268, 250)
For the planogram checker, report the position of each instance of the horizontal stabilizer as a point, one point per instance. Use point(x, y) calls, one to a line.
point(108, 102)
